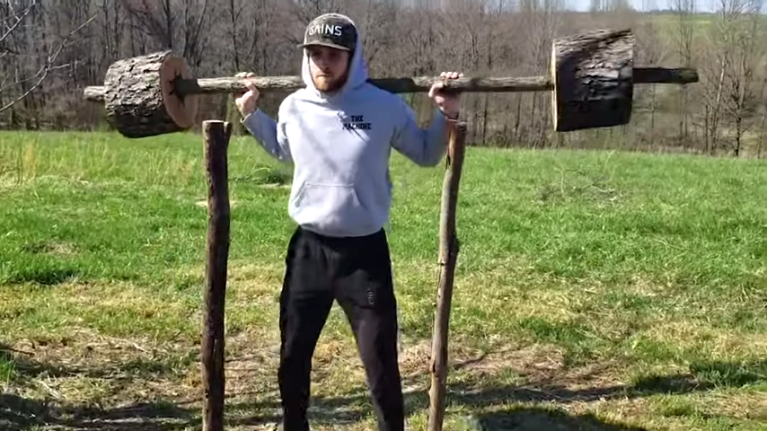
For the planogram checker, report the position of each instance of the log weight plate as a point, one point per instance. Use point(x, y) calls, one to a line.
point(140, 99)
point(592, 84)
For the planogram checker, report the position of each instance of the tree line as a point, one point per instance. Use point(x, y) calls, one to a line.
point(50, 50)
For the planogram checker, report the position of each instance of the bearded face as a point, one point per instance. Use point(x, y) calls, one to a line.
point(329, 67)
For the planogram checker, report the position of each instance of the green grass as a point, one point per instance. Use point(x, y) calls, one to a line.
point(594, 290)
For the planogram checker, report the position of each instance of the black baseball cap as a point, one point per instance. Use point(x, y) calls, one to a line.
point(331, 30)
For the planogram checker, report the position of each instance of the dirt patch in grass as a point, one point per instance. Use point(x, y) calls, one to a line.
point(84, 379)
point(77, 378)
point(50, 247)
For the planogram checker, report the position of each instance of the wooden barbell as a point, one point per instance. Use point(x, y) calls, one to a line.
point(592, 84)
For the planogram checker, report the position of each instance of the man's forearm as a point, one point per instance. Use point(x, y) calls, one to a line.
point(266, 131)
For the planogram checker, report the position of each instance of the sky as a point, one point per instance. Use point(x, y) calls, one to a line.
point(700, 5)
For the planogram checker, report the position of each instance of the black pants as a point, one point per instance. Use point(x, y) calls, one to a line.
point(357, 273)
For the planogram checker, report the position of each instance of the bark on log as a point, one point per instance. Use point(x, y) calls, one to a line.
point(418, 84)
point(285, 84)
point(590, 79)
point(448, 255)
point(216, 135)
point(139, 98)
point(592, 74)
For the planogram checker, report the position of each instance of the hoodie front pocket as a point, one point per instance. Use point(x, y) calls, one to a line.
point(328, 203)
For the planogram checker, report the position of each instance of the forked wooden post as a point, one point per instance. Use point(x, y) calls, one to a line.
point(448, 254)
point(217, 134)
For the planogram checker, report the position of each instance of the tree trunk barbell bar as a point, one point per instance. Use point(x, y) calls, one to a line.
point(592, 84)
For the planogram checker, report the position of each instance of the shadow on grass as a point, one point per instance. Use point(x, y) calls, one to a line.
point(20, 371)
point(18, 367)
point(535, 419)
point(355, 407)
point(20, 414)
point(730, 374)
point(45, 275)
point(482, 399)
point(487, 403)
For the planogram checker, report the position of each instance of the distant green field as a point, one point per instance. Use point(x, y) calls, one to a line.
point(676, 18)
point(700, 22)
point(595, 290)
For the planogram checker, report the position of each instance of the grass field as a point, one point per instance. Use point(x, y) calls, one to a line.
point(595, 290)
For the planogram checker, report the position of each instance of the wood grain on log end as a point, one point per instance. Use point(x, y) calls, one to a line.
point(182, 109)
point(139, 98)
point(593, 80)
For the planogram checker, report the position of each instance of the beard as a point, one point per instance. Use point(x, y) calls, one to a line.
point(327, 84)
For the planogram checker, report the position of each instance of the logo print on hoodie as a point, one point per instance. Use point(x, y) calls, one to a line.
point(356, 122)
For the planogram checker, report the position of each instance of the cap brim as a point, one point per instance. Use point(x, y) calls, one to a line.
point(327, 44)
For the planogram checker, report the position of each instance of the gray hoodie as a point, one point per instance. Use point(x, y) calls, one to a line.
point(340, 146)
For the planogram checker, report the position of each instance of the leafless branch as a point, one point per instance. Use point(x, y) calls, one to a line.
point(48, 66)
point(18, 18)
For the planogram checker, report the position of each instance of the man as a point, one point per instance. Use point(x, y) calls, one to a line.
point(338, 133)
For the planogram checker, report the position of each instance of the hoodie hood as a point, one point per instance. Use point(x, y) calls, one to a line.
point(357, 73)
point(340, 145)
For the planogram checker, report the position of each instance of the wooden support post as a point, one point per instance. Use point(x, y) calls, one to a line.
point(448, 253)
point(217, 134)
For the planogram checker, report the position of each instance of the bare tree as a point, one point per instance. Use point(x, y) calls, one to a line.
point(180, 26)
point(649, 50)
point(44, 67)
point(684, 10)
point(735, 57)
point(747, 54)
point(20, 48)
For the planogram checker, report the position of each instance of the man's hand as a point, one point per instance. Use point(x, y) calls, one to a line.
point(447, 103)
point(248, 101)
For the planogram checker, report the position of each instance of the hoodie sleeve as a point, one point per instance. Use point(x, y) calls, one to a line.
point(425, 147)
point(269, 133)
